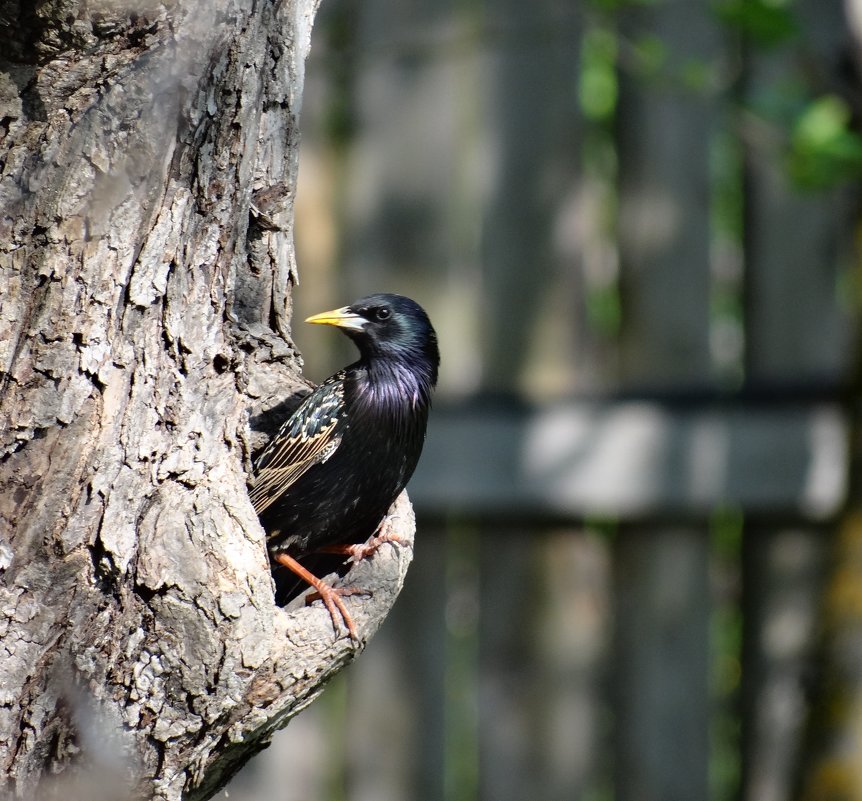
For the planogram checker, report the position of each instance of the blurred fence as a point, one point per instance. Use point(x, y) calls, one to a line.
point(640, 446)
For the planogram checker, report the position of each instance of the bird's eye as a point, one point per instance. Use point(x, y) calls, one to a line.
point(383, 313)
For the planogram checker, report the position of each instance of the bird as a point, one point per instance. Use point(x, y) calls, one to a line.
point(327, 478)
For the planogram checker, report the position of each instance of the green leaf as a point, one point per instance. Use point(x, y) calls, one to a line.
point(766, 23)
point(824, 150)
point(597, 85)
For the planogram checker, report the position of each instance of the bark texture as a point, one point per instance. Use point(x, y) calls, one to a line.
point(148, 159)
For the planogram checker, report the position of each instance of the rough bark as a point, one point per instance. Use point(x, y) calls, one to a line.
point(147, 168)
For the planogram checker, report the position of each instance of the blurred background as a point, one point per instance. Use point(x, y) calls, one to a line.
point(635, 225)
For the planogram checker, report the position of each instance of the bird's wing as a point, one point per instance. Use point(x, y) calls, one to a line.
point(310, 436)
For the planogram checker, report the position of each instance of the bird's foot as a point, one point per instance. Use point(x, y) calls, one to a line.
point(363, 550)
point(331, 596)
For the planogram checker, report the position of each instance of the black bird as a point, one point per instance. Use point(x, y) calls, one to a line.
point(335, 467)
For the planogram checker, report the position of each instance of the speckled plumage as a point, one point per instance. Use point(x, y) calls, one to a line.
point(337, 464)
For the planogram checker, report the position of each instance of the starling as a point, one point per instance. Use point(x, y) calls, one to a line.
point(338, 463)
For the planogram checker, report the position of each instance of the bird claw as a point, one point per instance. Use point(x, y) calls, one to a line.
point(331, 597)
point(359, 551)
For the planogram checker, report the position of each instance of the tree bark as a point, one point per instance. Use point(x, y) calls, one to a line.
point(148, 162)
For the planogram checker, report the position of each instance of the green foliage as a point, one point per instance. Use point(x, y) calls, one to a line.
point(604, 310)
point(726, 533)
point(597, 88)
point(824, 149)
point(598, 95)
point(728, 202)
point(651, 55)
point(653, 61)
point(766, 23)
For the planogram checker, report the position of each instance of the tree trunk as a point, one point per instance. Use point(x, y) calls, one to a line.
point(147, 169)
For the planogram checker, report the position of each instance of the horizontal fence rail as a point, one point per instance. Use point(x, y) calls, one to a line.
point(635, 459)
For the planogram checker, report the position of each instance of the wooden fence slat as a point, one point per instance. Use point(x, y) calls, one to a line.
point(783, 574)
point(572, 655)
point(545, 616)
point(798, 241)
point(665, 130)
point(661, 664)
point(533, 125)
point(397, 719)
point(508, 691)
point(798, 328)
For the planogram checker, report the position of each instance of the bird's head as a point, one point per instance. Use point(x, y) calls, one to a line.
point(389, 326)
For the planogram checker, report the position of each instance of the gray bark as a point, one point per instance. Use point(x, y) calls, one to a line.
point(147, 167)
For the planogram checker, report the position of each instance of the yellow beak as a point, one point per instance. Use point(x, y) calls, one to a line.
point(343, 318)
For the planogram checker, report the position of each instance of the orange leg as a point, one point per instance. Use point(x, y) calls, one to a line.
point(330, 596)
point(362, 550)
